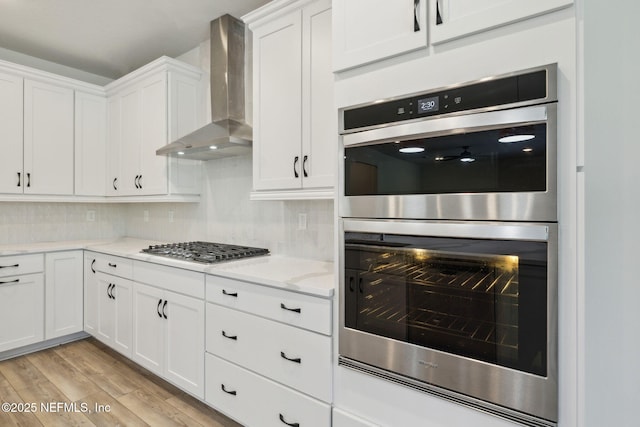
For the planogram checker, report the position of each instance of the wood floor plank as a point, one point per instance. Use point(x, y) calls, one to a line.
point(21, 373)
point(21, 417)
point(67, 378)
point(200, 412)
point(54, 416)
point(155, 411)
point(105, 410)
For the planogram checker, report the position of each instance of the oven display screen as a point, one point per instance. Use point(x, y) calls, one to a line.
point(428, 105)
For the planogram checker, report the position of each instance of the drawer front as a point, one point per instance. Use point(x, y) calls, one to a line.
point(178, 280)
point(16, 265)
point(256, 401)
point(303, 311)
point(292, 356)
point(117, 266)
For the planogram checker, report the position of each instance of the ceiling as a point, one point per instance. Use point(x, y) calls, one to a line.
point(110, 38)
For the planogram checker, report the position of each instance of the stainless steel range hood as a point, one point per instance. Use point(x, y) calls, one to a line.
point(228, 134)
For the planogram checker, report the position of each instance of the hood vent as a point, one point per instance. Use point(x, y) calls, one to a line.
point(228, 134)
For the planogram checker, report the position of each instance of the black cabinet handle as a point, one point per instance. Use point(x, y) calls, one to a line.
point(113, 265)
point(438, 13)
point(115, 181)
point(360, 288)
point(18, 179)
point(28, 179)
point(295, 360)
point(92, 264)
point(140, 182)
point(109, 291)
point(164, 309)
point(416, 21)
point(284, 307)
point(10, 281)
point(304, 166)
point(231, 392)
point(113, 289)
point(10, 266)
point(231, 294)
point(289, 424)
point(231, 337)
point(158, 308)
point(295, 163)
point(351, 280)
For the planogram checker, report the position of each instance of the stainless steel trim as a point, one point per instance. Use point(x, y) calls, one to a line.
point(526, 206)
point(458, 398)
point(552, 96)
point(484, 381)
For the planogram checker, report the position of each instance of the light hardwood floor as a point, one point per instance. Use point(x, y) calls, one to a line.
point(88, 373)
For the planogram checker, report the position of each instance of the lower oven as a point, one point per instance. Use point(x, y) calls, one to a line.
point(465, 310)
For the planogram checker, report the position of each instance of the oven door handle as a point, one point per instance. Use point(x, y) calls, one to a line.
point(448, 125)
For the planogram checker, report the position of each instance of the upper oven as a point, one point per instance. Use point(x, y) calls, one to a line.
point(484, 150)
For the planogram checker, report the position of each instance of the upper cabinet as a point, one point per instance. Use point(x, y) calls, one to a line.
point(48, 138)
point(146, 110)
point(451, 19)
point(90, 144)
point(294, 119)
point(11, 113)
point(365, 31)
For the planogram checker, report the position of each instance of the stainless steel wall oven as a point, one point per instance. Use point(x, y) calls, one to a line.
point(449, 243)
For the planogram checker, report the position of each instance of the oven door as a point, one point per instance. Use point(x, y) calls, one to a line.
point(492, 165)
point(469, 307)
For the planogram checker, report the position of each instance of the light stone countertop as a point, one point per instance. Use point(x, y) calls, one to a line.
point(299, 275)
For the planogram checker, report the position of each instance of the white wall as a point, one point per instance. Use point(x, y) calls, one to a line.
point(611, 213)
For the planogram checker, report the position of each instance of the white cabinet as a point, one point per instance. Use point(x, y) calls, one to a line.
point(294, 121)
point(63, 293)
point(365, 31)
point(108, 296)
point(451, 19)
point(11, 113)
point(21, 300)
point(345, 419)
point(48, 139)
point(168, 327)
point(146, 110)
point(90, 144)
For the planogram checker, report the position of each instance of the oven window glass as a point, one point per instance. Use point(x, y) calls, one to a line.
point(483, 299)
point(489, 161)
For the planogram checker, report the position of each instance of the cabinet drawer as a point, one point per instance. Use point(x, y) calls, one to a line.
point(114, 265)
point(304, 311)
point(172, 279)
point(256, 401)
point(21, 264)
point(289, 355)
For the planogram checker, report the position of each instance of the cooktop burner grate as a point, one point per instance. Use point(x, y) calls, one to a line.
point(204, 252)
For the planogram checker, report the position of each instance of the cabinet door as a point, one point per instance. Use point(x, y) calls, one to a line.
point(91, 295)
point(319, 118)
point(148, 327)
point(185, 342)
point(114, 146)
point(153, 168)
point(122, 299)
point(370, 30)
point(130, 137)
point(90, 144)
point(451, 19)
point(63, 293)
point(277, 62)
point(106, 309)
point(11, 177)
point(48, 139)
point(22, 301)
point(345, 419)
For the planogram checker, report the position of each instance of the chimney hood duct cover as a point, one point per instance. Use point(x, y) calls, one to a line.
point(228, 134)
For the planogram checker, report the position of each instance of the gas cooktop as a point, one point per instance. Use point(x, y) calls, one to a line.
point(204, 252)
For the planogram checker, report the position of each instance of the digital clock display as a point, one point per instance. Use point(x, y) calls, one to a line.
point(428, 105)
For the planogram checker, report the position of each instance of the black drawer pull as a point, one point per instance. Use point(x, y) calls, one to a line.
point(296, 360)
point(231, 294)
point(92, 264)
point(231, 392)
point(113, 265)
point(158, 308)
point(164, 309)
point(10, 281)
point(231, 337)
point(10, 266)
point(289, 424)
point(284, 307)
point(19, 179)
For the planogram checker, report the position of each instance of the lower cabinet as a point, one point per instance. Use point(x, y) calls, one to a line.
point(63, 293)
point(114, 296)
point(254, 400)
point(168, 336)
point(345, 419)
point(22, 301)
